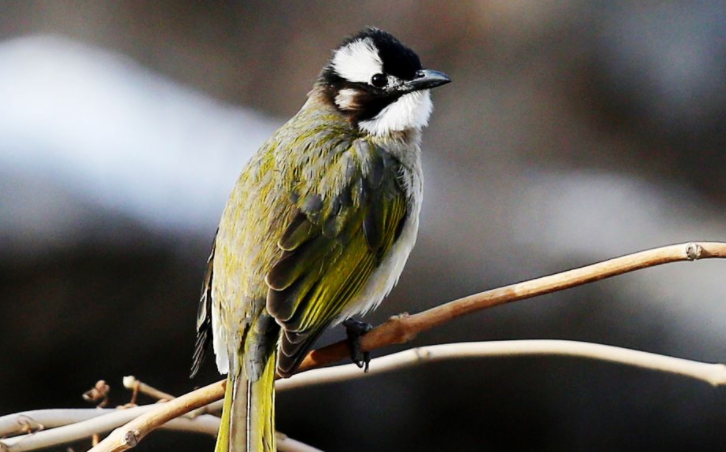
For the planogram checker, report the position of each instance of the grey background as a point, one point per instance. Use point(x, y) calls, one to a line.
point(574, 131)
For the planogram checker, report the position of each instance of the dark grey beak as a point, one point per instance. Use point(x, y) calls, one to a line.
point(427, 79)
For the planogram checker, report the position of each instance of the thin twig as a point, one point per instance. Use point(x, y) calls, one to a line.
point(129, 435)
point(18, 423)
point(98, 393)
point(93, 421)
point(77, 424)
point(713, 374)
point(85, 425)
point(213, 408)
point(132, 383)
point(401, 329)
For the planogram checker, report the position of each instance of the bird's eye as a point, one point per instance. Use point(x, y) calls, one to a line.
point(379, 80)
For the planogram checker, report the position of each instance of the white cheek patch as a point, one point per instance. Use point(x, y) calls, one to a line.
point(345, 100)
point(358, 61)
point(410, 111)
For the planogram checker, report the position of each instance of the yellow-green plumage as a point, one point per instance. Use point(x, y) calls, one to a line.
point(259, 420)
point(317, 228)
point(310, 220)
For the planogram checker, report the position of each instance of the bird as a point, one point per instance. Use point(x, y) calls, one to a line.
point(318, 227)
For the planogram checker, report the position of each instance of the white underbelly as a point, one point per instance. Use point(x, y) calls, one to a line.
point(385, 277)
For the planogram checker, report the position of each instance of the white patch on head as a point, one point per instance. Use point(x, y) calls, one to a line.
point(345, 100)
point(358, 61)
point(410, 111)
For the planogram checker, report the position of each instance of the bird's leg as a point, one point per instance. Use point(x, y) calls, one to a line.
point(355, 329)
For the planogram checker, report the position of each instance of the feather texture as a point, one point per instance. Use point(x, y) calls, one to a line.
point(312, 233)
point(344, 240)
point(317, 228)
point(204, 317)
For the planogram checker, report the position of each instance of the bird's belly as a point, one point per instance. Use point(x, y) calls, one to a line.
point(385, 277)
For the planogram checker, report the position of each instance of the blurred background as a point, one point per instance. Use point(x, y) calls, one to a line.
point(574, 131)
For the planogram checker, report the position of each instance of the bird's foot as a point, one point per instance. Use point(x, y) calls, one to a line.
point(355, 329)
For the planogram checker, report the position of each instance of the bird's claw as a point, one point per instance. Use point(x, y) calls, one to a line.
point(355, 329)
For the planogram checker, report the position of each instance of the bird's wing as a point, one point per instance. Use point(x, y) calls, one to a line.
point(331, 246)
point(204, 317)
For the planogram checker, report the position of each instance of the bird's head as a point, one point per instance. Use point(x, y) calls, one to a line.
point(379, 83)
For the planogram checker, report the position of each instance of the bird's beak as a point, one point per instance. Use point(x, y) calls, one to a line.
point(426, 79)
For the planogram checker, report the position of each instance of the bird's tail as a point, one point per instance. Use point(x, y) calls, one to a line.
point(248, 415)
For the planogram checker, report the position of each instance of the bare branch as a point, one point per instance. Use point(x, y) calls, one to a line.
point(18, 423)
point(132, 383)
point(87, 422)
point(129, 435)
point(98, 393)
point(713, 374)
point(401, 329)
point(84, 424)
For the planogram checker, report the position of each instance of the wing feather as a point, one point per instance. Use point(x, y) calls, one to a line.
point(332, 245)
point(204, 316)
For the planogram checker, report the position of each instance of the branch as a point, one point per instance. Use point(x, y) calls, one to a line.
point(130, 382)
point(403, 328)
point(137, 386)
point(38, 420)
point(713, 374)
point(87, 423)
point(90, 421)
point(129, 435)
